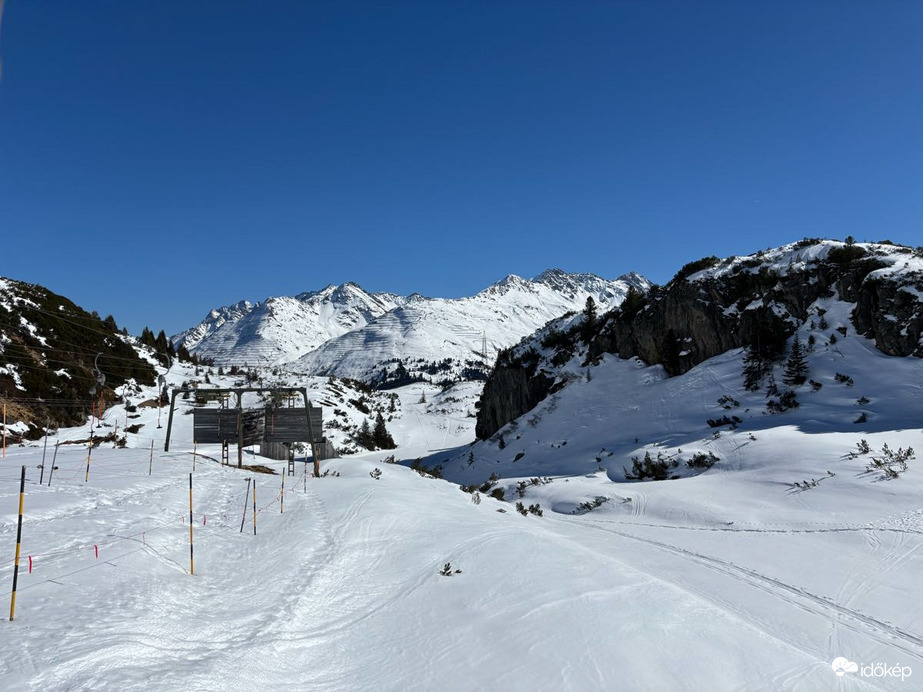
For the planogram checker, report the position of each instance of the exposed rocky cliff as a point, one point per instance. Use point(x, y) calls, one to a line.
point(714, 305)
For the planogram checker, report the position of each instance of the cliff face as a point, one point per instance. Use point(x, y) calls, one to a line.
point(715, 305)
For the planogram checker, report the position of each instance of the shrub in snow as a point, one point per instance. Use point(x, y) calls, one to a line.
point(724, 420)
point(423, 470)
point(447, 570)
point(891, 463)
point(521, 508)
point(590, 505)
point(844, 379)
point(702, 460)
point(727, 402)
point(863, 446)
point(786, 401)
point(658, 470)
point(815, 385)
point(535, 509)
point(376, 473)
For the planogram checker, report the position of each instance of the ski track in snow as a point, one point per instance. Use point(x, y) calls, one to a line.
point(886, 633)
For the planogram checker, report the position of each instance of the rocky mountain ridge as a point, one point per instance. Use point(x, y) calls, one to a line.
point(387, 339)
point(714, 305)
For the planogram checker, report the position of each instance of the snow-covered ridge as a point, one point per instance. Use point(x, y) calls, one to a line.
point(346, 331)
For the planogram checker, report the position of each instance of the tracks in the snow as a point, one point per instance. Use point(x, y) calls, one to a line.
point(884, 632)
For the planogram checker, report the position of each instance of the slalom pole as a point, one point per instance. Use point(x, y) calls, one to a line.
point(282, 496)
point(150, 466)
point(22, 493)
point(254, 506)
point(194, 448)
point(246, 500)
point(191, 564)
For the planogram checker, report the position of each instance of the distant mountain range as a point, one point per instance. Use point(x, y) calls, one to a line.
point(385, 338)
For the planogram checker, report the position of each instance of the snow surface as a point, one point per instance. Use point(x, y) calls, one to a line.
point(730, 579)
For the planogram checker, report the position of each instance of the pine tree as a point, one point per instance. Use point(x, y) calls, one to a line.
point(589, 319)
point(147, 338)
point(364, 436)
point(754, 370)
point(796, 367)
point(381, 438)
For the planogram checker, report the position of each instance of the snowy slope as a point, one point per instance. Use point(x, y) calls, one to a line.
point(438, 338)
point(727, 580)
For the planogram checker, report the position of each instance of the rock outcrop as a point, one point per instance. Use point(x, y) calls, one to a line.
point(712, 306)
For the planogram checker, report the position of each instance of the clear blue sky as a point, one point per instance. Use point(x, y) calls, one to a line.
point(159, 158)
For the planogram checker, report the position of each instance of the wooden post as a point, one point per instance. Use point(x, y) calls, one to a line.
point(150, 466)
point(240, 434)
point(254, 506)
point(166, 442)
point(44, 451)
point(22, 493)
point(89, 452)
point(246, 500)
point(191, 564)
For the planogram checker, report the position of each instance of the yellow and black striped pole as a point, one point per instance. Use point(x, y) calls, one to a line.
point(191, 564)
point(22, 493)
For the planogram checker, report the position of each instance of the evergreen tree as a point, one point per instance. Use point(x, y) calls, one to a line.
point(147, 338)
point(381, 438)
point(589, 319)
point(364, 436)
point(796, 367)
point(183, 353)
point(755, 368)
point(772, 389)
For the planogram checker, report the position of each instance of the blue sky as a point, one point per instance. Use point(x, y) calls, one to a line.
point(158, 159)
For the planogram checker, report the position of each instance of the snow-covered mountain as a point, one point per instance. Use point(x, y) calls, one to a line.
point(348, 332)
point(281, 329)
